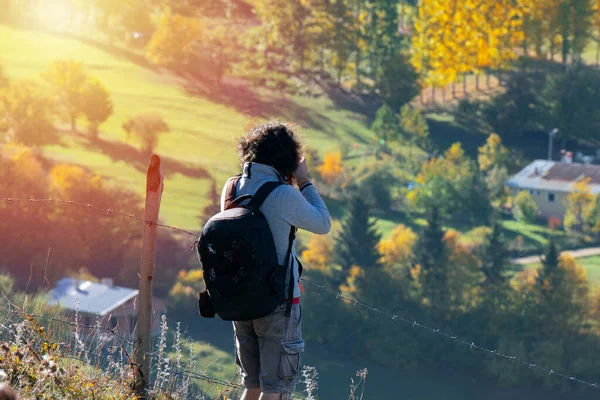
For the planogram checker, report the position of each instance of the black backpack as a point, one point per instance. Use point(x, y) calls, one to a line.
point(243, 278)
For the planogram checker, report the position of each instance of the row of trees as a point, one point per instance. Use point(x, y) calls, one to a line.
point(46, 241)
point(456, 38)
point(28, 109)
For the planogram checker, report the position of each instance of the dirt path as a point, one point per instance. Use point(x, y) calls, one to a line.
point(592, 251)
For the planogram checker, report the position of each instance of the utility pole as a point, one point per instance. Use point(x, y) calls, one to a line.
point(143, 359)
point(551, 135)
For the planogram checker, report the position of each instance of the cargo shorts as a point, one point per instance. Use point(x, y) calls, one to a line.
point(269, 351)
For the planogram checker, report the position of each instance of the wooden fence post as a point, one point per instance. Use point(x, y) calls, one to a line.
point(143, 359)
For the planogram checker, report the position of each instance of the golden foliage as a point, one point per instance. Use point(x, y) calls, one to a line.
point(463, 274)
point(580, 206)
point(29, 166)
point(398, 248)
point(350, 285)
point(492, 153)
point(72, 181)
point(319, 252)
point(175, 40)
point(332, 168)
point(452, 38)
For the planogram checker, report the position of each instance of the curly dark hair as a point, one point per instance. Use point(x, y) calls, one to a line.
point(273, 144)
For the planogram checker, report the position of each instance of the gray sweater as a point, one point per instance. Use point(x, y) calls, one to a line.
point(285, 207)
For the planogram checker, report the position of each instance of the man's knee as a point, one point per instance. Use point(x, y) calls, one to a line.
point(272, 396)
point(251, 394)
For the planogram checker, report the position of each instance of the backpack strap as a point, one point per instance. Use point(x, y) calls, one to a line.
point(230, 190)
point(262, 193)
point(288, 256)
point(237, 201)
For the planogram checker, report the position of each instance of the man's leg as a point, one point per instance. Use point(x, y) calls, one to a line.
point(248, 358)
point(251, 394)
point(281, 347)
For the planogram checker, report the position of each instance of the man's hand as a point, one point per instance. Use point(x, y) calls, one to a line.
point(302, 170)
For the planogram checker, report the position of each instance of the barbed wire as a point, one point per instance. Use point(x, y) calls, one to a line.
point(472, 345)
point(108, 211)
point(395, 317)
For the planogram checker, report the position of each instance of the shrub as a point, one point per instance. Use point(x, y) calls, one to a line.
point(525, 209)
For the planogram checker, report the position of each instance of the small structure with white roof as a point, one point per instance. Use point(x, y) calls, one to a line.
point(103, 303)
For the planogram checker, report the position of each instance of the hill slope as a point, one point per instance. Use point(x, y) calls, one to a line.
point(198, 148)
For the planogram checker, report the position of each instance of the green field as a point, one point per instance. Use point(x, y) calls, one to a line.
point(200, 145)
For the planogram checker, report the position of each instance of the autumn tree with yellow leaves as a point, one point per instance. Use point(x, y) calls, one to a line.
point(332, 168)
point(175, 41)
point(580, 206)
point(319, 252)
point(453, 38)
point(397, 250)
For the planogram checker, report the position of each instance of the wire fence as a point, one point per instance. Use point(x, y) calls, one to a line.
point(394, 317)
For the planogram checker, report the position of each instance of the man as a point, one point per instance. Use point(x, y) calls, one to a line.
point(269, 349)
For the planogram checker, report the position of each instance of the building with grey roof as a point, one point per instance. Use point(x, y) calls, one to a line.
point(102, 302)
point(549, 183)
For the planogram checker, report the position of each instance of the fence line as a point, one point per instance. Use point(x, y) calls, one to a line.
point(338, 295)
point(108, 211)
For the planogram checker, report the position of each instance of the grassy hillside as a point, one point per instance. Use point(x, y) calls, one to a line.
point(198, 148)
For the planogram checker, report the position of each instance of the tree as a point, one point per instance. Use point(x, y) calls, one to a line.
point(452, 185)
point(223, 42)
point(398, 82)
point(357, 241)
point(319, 252)
point(135, 21)
point(572, 102)
point(96, 105)
point(562, 289)
point(109, 8)
point(146, 128)
point(68, 79)
point(175, 41)
point(492, 153)
point(580, 205)
point(452, 38)
point(332, 168)
point(525, 209)
point(414, 126)
point(495, 181)
point(371, 182)
point(383, 37)
point(25, 111)
point(398, 249)
point(495, 258)
point(431, 261)
point(385, 124)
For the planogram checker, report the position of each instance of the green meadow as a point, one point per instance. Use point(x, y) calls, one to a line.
point(200, 146)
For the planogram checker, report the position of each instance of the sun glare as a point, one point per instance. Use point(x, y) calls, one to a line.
point(55, 13)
